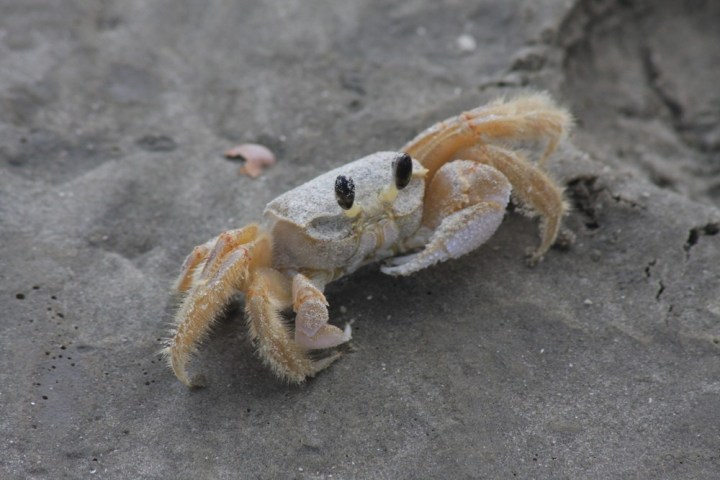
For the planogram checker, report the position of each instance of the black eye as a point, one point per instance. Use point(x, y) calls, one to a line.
point(402, 170)
point(344, 192)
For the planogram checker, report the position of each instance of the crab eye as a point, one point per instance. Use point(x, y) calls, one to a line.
point(402, 170)
point(344, 192)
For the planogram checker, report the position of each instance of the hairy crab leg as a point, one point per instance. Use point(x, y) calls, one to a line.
point(190, 265)
point(526, 117)
point(190, 271)
point(531, 186)
point(269, 294)
point(226, 270)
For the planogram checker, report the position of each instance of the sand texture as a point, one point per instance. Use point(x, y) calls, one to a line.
point(602, 362)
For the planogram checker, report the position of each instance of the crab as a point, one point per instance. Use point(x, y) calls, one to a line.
point(441, 196)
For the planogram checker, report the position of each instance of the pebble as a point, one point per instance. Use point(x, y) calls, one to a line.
point(466, 43)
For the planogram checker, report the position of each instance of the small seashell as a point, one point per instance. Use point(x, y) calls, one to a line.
point(256, 157)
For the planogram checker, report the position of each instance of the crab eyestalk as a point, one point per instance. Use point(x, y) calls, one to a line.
point(402, 169)
point(345, 195)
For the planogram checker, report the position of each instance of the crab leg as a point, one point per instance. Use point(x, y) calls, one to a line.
point(268, 295)
point(197, 256)
point(465, 205)
point(226, 270)
point(528, 117)
point(531, 186)
point(190, 267)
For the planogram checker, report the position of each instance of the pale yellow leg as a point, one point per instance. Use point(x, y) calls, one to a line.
point(225, 272)
point(528, 117)
point(270, 293)
point(532, 186)
point(196, 257)
point(206, 255)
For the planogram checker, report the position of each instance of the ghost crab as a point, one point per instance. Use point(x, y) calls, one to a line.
point(439, 198)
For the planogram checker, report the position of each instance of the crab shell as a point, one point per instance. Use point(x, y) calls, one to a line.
point(311, 232)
